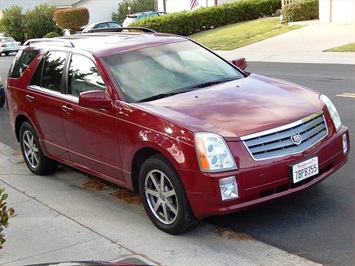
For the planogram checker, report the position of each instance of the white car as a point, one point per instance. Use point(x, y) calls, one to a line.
point(8, 45)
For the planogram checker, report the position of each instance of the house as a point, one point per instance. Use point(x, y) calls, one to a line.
point(329, 10)
point(99, 10)
point(337, 10)
point(181, 5)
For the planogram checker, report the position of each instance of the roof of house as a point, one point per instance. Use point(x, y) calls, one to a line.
point(28, 5)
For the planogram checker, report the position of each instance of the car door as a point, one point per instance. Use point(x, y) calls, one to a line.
point(44, 103)
point(90, 132)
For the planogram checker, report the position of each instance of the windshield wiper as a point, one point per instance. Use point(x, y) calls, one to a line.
point(183, 90)
point(211, 83)
point(158, 96)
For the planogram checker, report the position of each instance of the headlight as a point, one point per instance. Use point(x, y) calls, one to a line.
point(213, 153)
point(332, 111)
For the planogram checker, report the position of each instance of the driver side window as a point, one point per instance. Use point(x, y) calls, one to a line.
point(83, 76)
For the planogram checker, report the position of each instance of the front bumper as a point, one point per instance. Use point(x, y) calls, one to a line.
point(260, 182)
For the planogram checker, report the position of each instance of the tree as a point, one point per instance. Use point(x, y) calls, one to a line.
point(39, 21)
point(72, 18)
point(135, 5)
point(12, 23)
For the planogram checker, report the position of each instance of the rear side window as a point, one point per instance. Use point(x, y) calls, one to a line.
point(22, 61)
point(49, 72)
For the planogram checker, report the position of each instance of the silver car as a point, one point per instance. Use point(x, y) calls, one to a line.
point(8, 45)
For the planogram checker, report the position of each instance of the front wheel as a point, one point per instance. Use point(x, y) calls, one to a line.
point(164, 197)
point(32, 152)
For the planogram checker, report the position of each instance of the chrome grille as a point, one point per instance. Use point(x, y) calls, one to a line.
point(278, 142)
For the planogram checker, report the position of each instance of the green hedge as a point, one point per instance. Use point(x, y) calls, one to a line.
point(186, 23)
point(301, 10)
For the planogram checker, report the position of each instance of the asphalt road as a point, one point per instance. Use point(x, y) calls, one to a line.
point(317, 224)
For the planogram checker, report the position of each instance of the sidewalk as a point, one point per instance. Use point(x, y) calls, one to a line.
point(68, 216)
point(304, 45)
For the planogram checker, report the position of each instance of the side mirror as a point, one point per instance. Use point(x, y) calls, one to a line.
point(95, 99)
point(240, 62)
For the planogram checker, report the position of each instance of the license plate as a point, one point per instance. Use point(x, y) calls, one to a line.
point(305, 169)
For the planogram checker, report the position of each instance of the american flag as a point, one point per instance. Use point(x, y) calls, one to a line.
point(193, 4)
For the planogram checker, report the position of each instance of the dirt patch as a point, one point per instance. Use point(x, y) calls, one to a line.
point(225, 232)
point(128, 196)
point(94, 184)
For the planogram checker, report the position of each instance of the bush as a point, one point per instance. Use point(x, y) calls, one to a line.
point(51, 35)
point(5, 214)
point(39, 21)
point(12, 23)
point(71, 18)
point(301, 10)
point(186, 23)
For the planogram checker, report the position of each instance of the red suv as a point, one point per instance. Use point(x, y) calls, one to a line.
point(162, 115)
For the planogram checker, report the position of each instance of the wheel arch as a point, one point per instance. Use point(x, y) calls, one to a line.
point(19, 121)
point(138, 159)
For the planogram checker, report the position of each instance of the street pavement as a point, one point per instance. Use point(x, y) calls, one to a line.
point(69, 216)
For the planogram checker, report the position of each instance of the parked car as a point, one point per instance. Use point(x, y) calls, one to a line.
point(100, 25)
point(8, 45)
point(2, 94)
point(141, 15)
point(162, 115)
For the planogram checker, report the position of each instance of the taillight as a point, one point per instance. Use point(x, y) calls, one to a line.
point(3, 45)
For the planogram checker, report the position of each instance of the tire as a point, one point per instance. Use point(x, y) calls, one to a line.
point(2, 96)
point(167, 208)
point(6, 53)
point(32, 152)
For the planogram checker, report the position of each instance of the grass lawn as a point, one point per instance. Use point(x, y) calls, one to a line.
point(240, 34)
point(350, 47)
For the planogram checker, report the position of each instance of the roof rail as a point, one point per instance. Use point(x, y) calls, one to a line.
point(120, 29)
point(54, 41)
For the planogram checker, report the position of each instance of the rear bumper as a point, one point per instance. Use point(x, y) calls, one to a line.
point(262, 183)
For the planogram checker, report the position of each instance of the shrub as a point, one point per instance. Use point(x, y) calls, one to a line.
point(51, 35)
point(301, 10)
point(39, 21)
point(186, 23)
point(5, 214)
point(12, 23)
point(71, 18)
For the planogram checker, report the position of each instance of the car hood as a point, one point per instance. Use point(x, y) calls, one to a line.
point(238, 108)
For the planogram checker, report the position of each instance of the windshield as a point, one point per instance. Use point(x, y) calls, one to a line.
point(164, 70)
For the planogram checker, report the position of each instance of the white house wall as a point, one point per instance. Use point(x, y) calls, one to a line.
point(337, 10)
point(99, 10)
point(180, 5)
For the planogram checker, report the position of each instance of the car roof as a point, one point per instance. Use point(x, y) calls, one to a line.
point(106, 43)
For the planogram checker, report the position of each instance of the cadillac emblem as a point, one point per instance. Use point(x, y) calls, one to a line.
point(296, 138)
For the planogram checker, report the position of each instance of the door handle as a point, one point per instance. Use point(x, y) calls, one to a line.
point(30, 98)
point(67, 109)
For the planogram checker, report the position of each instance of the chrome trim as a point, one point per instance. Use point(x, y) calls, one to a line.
point(270, 131)
point(283, 135)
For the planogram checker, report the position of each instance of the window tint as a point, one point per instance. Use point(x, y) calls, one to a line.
point(52, 66)
point(83, 76)
point(22, 60)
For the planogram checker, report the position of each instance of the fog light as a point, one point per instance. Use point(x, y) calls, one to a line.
point(345, 144)
point(228, 187)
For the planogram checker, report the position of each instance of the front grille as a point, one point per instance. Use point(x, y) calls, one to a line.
point(278, 142)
